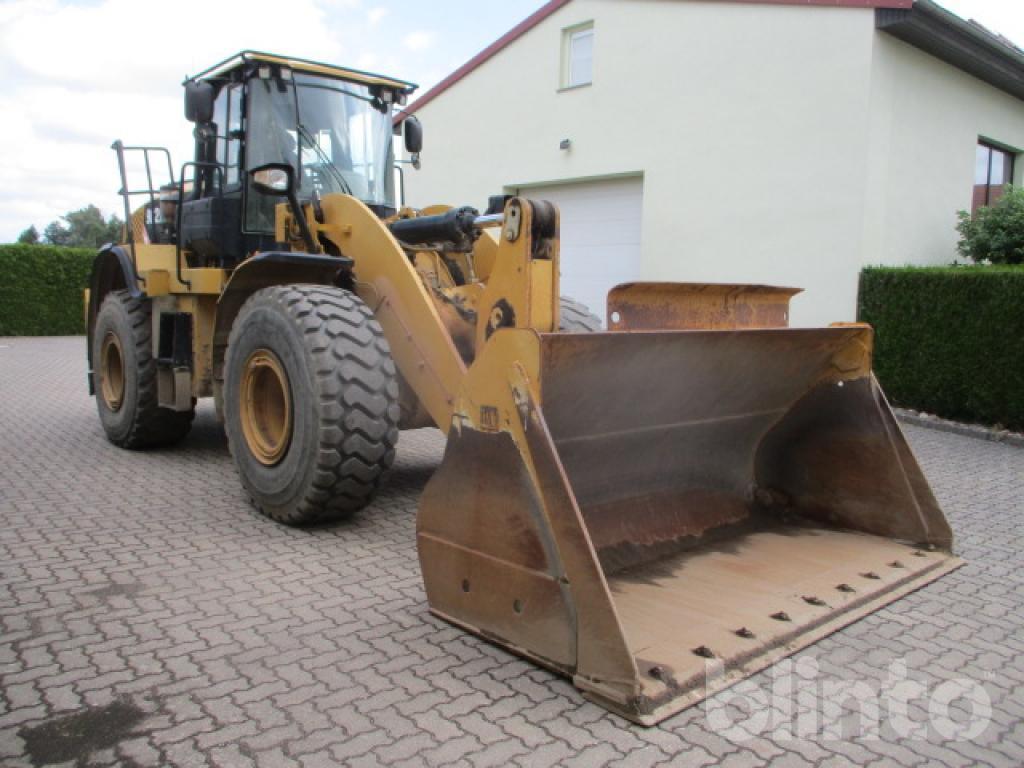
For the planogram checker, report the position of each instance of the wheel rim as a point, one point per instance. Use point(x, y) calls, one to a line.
point(266, 405)
point(112, 372)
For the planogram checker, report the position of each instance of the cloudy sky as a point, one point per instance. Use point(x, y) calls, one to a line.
point(79, 73)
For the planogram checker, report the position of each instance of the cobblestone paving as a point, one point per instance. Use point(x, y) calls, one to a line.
point(148, 617)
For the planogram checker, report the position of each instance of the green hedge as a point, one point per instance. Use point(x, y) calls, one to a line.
point(41, 289)
point(949, 340)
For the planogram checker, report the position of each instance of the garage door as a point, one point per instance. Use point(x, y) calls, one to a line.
point(600, 245)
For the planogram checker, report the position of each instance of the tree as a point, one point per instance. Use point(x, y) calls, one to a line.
point(84, 228)
point(30, 236)
point(995, 233)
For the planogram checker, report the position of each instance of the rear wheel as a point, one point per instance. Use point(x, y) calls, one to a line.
point(577, 318)
point(124, 377)
point(311, 402)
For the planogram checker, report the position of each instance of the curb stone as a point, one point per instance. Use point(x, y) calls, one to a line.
point(978, 431)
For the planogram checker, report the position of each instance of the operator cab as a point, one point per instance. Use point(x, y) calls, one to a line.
point(332, 126)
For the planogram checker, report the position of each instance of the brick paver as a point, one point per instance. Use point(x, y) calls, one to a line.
point(149, 617)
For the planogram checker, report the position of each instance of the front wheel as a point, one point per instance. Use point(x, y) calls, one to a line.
point(311, 402)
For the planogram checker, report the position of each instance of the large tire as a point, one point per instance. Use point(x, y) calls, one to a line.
point(577, 318)
point(124, 377)
point(319, 354)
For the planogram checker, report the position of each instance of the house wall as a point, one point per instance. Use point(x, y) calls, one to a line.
point(926, 119)
point(756, 129)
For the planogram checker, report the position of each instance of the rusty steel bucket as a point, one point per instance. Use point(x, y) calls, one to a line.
point(629, 507)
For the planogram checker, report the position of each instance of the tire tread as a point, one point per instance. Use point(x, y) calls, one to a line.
point(357, 396)
point(576, 317)
point(152, 426)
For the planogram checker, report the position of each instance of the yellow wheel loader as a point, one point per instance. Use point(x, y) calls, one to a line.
point(698, 487)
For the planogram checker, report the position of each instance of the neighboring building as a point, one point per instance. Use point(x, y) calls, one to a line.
point(782, 141)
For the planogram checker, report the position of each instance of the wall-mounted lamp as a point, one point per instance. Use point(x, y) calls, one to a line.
point(564, 144)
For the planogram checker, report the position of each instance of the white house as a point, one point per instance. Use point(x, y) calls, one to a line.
point(776, 141)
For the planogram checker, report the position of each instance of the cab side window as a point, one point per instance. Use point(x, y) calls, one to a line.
point(233, 138)
point(227, 120)
point(220, 124)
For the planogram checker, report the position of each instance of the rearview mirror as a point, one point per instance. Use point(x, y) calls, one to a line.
point(273, 179)
point(199, 96)
point(278, 179)
point(413, 135)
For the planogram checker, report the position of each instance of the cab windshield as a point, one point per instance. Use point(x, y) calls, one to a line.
point(329, 131)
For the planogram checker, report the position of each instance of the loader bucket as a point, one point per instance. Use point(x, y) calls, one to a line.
point(634, 509)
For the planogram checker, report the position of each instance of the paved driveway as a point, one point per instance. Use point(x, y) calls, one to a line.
point(149, 617)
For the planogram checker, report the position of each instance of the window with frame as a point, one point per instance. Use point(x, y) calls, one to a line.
point(234, 133)
point(227, 119)
point(578, 55)
point(220, 125)
point(993, 170)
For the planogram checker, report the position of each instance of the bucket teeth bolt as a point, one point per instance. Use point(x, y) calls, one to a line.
point(871, 575)
point(895, 564)
point(781, 616)
point(845, 588)
point(657, 673)
point(745, 633)
point(812, 600)
point(704, 652)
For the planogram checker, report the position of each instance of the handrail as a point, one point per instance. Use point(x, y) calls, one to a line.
point(126, 194)
point(219, 168)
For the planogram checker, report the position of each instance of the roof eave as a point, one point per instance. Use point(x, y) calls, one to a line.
point(947, 37)
point(921, 23)
point(502, 42)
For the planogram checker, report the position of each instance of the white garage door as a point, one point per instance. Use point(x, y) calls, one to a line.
point(600, 245)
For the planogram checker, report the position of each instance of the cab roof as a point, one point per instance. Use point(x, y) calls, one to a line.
point(242, 58)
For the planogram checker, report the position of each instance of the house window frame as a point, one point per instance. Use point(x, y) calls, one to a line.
point(1009, 179)
point(568, 35)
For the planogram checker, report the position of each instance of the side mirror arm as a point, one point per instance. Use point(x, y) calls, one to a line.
point(266, 187)
point(300, 219)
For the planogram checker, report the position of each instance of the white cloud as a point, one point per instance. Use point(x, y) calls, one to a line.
point(118, 43)
point(418, 40)
point(57, 154)
point(1004, 17)
point(374, 15)
point(79, 76)
point(368, 62)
